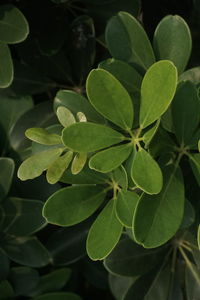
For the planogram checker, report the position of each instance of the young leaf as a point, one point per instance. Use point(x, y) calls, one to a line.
point(104, 233)
point(18, 213)
point(81, 117)
point(109, 159)
point(88, 137)
point(172, 40)
point(13, 25)
point(78, 163)
point(76, 102)
point(130, 259)
point(42, 136)
point(57, 168)
point(125, 207)
point(7, 167)
point(101, 86)
point(126, 74)
point(146, 172)
point(157, 91)
point(6, 66)
point(158, 217)
point(73, 204)
point(65, 116)
point(34, 166)
point(127, 41)
point(185, 112)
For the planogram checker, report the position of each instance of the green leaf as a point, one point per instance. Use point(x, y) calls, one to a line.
point(65, 116)
point(157, 91)
point(57, 168)
point(81, 117)
point(185, 112)
point(78, 163)
point(27, 251)
point(130, 259)
point(101, 86)
point(157, 218)
point(198, 237)
point(19, 212)
point(126, 74)
point(109, 159)
point(146, 172)
point(34, 166)
point(189, 215)
point(172, 40)
point(104, 233)
point(23, 280)
point(127, 41)
point(7, 167)
point(58, 296)
point(53, 281)
point(76, 102)
point(125, 207)
point(88, 137)
point(13, 25)
point(42, 136)
point(119, 285)
point(6, 65)
point(61, 210)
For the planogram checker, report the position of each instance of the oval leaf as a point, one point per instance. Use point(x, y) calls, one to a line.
point(6, 66)
point(34, 166)
point(172, 40)
point(42, 136)
point(125, 207)
point(65, 116)
point(18, 213)
point(57, 168)
point(146, 173)
point(88, 137)
point(7, 167)
point(157, 218)
point(78, 163)
point(110, 98)
point(127, 40)
point(107, 160)
point(13, 25)
point(157, 91)
point(104, 233)
point(73, 204)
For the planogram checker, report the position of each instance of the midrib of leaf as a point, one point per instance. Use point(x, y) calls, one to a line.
point(160, 202)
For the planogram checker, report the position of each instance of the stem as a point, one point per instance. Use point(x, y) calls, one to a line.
point(189, 264)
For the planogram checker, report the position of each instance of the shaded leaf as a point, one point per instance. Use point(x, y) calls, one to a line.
point(5, 265)
point(13, 25)
point(7, 167)
point(192, 285)
point(58, 296)
point(6, 290)
point(157, 91)
point(104, 233)
point(88, 137)
point(101, 86)
point(6, 65)
point(73, 204)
